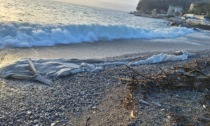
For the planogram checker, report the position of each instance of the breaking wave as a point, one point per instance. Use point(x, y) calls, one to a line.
point(29, 35)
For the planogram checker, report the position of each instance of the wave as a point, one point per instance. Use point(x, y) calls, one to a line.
point(28, 35)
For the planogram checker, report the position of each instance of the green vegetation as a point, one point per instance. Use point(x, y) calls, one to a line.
point(208, 14)
point(202, 8)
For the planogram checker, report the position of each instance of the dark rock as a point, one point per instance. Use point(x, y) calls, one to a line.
point(172, 24)
point(185, 25)
point(131, 124)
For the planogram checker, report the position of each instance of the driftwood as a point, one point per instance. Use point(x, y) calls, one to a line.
point(136, 72)
point(35, 75)
point(193, 75)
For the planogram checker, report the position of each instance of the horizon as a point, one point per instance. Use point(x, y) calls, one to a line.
point(108, 4)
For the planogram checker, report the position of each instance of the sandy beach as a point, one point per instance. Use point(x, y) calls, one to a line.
point(96, 98)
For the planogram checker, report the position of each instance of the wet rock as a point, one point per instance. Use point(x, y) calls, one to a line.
point(172, 24)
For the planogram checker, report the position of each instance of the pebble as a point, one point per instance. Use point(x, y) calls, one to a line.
point(131, 124)
point(28, 112)
point(53, 124)
point(94, 107)
point(67, 91)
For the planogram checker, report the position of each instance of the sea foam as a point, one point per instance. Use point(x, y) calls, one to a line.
point(28, 35)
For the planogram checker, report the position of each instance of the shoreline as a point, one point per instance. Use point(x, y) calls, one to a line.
point(177, 21)
point(105, 49)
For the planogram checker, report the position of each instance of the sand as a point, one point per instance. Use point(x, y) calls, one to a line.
point(104, 49)
point(95, 98)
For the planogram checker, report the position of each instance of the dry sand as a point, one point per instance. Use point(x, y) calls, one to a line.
point(95, 98)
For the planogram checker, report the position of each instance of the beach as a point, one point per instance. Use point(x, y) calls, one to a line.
point(96, 98)
point(63, 64)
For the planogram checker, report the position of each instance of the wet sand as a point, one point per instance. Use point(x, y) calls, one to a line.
point(104, 49)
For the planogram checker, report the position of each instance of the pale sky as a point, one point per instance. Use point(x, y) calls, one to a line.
point(124, 5)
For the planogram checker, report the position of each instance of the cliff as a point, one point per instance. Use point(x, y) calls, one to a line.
point(145, 6)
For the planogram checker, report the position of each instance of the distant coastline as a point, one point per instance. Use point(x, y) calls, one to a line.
point(192, 13)
point(192, 21)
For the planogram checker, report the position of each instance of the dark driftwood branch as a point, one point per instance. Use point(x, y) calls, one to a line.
point(138, 73)
point(130, 80)
point(163, 71)
point(166, 75)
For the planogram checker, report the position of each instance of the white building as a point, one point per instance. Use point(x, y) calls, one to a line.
point(175, 11)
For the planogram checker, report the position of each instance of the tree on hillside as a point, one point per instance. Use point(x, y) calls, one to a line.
point(201, 8)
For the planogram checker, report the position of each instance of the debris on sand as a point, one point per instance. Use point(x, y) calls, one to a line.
point(192, 76)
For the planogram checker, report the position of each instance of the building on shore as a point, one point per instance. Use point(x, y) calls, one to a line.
point(175, 11)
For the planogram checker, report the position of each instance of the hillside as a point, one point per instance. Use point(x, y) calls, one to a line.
point(162, 5)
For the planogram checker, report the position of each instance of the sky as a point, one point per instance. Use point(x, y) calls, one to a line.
point(123, 5)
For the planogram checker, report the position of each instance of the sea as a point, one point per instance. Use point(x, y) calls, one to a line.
point(32, 23)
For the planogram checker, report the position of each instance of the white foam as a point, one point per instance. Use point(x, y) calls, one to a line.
point(28, 35)
point(162, 58)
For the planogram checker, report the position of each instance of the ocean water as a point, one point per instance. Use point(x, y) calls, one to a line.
point(28, 23)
